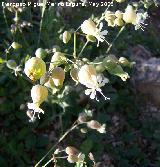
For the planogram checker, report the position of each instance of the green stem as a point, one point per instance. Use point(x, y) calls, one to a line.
point(83, 48)
point(110, 45)
point(41, 22)
point(74, 52)
point(62, 137)
point(5, 18)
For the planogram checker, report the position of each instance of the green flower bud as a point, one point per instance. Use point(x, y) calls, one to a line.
point(91, 38)
point(118, 22)
point(35, 68)
point(100, 68)
point(56, 48)
point(16, 45)
point(11, 64)
point(40, 53)
point(57, 59)
point(114, 68)
point(123, 61)
point(66, 37)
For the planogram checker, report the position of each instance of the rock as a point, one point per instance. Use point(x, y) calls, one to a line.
point(146, 78)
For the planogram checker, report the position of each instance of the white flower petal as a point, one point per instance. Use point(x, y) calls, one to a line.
point(93, 94)
point(88, 91)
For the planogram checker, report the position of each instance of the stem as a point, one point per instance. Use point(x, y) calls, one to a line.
point(74, 53)
point(110, 45)
point(75, 124)
point(48, 162)
point(83, 48)
point(5, 18)
point(41, 22)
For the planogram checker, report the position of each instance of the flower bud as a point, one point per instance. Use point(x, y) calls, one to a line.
point(82, 118)
point(40, 53)
point(57, 59)
point(118, 22)
point(120, 1)
point(44, 78)
point(50, 83)
point(123, 61)
point(71, 150)
point(130, 15)
point(58, 76)
point(11, 64)
point(100, 68)
point(72, 159)
point(56, 48)
point(66, 37)
point(91, 38)
point(35, 68)
point(16, 45)
point(109, 16)
point(83, 130)
point(74, 74)
point(39, 93)
point(93, 124)
point(119, 14)
point(110, 23)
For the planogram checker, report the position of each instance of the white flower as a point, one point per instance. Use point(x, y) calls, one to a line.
point(87, 76)
point(38, 93)
point(89, 28)
point(102, 129)
point(140, 19)
point(35, 109)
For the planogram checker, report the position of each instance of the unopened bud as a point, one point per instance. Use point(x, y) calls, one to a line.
point(57, 59)
point(56, 48)
point(93, 124)
point(71, 150)
point(123, 61)
point(82, 118)
point(100, 68)
point(16, 45)
point(118, 22)
point(83, 130)
point(11, 64)
point(66, 36)
point(41, 53)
